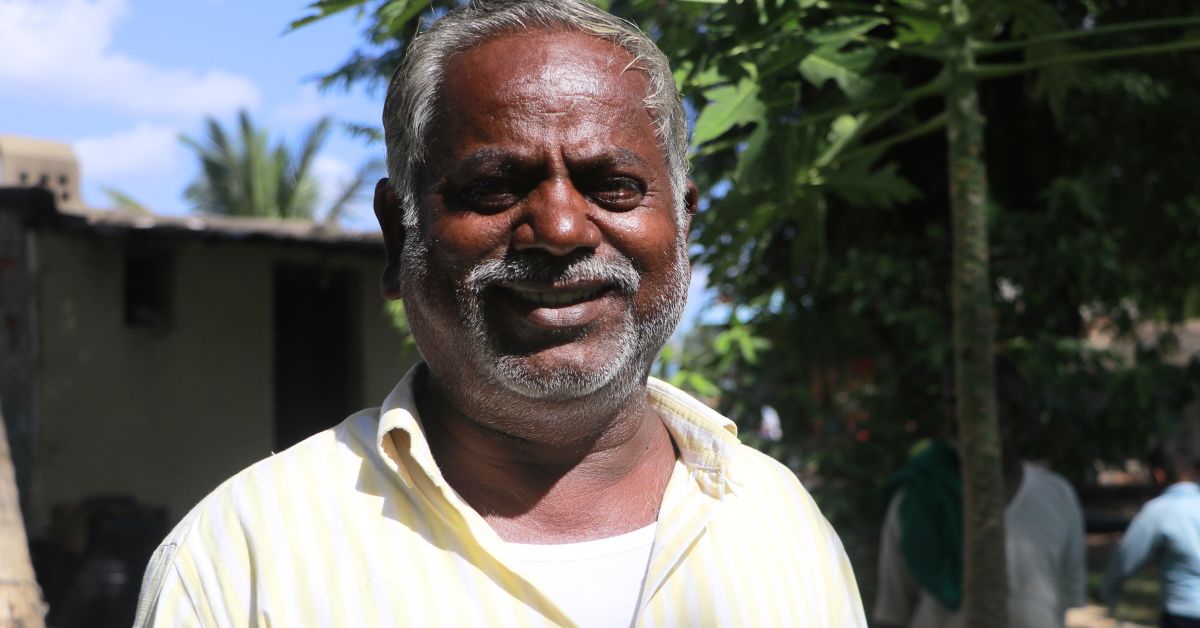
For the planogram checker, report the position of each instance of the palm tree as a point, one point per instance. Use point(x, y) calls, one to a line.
point(245, 176)
point(125, 203)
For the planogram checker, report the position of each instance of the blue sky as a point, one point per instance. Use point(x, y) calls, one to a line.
point(119, 80)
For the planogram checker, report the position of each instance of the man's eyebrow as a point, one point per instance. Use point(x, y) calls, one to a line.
point(498, 159)
point(488, 158)
point(614, 157)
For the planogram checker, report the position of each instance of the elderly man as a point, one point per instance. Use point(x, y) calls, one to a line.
point(528, 472)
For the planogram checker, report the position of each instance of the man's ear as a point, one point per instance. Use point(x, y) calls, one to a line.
point(691, 202)
point(391, 223)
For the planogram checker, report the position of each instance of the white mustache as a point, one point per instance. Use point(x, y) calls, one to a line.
point(525, 268)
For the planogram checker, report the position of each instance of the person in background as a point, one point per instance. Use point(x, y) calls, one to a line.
point(1166, 530)
point(921, 545)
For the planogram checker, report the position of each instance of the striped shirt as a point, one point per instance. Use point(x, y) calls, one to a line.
point(357, 527)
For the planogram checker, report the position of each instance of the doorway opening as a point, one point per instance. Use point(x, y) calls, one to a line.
point(316, 351)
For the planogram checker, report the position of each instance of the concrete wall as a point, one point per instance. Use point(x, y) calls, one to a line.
point(166, 415)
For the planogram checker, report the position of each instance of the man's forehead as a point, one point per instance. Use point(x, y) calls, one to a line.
point(542, 64)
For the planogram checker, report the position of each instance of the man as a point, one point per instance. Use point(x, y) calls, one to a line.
point(527, 473)
point(920, 555)
point(1166, 530)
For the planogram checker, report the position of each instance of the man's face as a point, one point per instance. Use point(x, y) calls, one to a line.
point(551, 260)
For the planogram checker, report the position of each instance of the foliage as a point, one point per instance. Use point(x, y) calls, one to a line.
point(859, 319)
point(126, 203)
point(243, 175)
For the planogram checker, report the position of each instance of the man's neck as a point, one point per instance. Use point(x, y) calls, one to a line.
point(556, 484)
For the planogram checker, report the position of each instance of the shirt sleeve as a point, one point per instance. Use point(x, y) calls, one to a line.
point(1074, 567)
point(1140, 542)
point(896, 591)
point(164, 600)
point(850, 605)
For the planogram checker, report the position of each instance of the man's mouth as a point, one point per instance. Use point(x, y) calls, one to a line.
point(553, 298)
point(547, 307)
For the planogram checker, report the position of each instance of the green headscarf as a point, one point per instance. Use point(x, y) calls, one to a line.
point(931, 520)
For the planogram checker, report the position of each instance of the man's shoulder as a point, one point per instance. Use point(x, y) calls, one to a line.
point(1051, 482)
point(1171, 503)
point(332, 449)
point(756, 467)
point(780, 528)
point(763, 480)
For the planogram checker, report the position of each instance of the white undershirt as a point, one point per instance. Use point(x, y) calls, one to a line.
point(598, 582)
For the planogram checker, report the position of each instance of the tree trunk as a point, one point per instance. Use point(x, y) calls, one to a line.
point(20, 598)
point(985, 583)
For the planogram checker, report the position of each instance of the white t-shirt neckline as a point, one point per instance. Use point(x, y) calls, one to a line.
point(571, 574)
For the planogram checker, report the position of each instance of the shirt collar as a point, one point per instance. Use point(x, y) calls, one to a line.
point(706, 440)
point(399, 414)
point(1183, 487)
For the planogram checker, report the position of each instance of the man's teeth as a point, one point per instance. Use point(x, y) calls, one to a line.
point(557, 298)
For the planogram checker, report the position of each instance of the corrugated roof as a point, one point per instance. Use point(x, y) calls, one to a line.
point(204, 227)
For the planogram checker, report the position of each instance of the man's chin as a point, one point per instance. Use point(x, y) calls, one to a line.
point(561, 383)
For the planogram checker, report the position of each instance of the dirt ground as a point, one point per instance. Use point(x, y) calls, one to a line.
point(1096, 616)
point(1140, 599)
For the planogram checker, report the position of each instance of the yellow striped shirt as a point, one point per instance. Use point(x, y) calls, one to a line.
point(357, 527)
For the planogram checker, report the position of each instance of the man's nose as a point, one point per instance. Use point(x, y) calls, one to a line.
point(558, 220)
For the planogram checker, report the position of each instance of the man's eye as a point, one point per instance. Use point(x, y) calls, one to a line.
point(490, 194)
point(618, 193)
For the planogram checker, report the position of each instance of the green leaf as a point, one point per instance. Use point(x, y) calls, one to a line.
point(324, 9)
point(395, 15)
point(918, 30)
point(707, 78)
point(844, 129)
point(847, 69)
point(881, 188)
point(701, 385)
point(727, 107)
point(125, 202)
point(840, 32)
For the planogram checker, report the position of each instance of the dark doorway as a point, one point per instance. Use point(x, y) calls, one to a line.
point(315, 351)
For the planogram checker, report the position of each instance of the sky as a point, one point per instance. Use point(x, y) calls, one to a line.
point(120, 80)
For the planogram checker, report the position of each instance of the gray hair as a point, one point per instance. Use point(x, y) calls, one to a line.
point(412, 96)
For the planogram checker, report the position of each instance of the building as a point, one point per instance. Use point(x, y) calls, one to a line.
point(145, 358)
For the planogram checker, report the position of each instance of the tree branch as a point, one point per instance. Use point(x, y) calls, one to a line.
point(929, 126)
point(982, 48)
point(932, 88)
point(998, 70)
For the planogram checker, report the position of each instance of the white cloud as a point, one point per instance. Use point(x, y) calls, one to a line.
point(61, 49)
point(145, 149)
